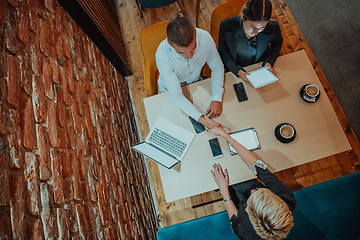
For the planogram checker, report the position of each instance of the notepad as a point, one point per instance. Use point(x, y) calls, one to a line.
point(246, 137)
point(261, 77)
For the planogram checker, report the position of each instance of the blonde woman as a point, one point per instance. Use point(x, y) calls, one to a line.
point(256, 211)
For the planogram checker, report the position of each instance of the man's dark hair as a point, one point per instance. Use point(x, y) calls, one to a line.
point(180, 31)
point(257, 10)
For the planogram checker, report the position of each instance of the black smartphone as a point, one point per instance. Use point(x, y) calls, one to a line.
point(215, 148)
point(197, 126)
point(240, 92)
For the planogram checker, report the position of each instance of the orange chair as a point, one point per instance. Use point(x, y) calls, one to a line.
point(150, 38)
point(228, 9)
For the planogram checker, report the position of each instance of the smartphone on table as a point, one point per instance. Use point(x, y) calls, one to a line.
point(215, 148)
point(240, 92)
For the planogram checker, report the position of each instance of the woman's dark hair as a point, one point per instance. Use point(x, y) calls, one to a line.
point(257, 10)
point(180, 31)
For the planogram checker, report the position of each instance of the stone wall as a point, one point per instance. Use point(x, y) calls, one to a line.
point(66, 125)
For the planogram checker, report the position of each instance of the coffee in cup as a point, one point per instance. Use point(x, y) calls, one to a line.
point(287, 131)
point(311, 90)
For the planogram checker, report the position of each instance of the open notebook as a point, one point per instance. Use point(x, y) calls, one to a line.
point(166, 143)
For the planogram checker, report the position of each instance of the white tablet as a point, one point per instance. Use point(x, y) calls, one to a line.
point(261, 77)
point(246, 137)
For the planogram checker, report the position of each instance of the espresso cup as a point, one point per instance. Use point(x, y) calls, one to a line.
point(287, 131)
point(312, 90)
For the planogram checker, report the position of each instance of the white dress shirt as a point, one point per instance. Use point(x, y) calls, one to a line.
point(175, 69)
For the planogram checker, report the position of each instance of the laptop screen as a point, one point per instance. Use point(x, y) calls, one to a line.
point(156, 154)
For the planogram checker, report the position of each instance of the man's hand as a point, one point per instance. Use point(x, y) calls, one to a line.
point(208, 123)
point(214, 109)
point(242, 74)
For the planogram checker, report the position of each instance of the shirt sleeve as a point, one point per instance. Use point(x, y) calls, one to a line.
point(224, 49)
point(273, 51)
point(217, 71)
point(172, 85)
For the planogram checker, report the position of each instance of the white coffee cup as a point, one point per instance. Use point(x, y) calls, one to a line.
point(312, 90)
point(287, 131)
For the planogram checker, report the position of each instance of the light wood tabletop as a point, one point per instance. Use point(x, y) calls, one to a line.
point(319, 133)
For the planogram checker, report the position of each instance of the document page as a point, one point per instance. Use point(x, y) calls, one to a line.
point(261, 77)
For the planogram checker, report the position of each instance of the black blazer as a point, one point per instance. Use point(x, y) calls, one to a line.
point(269, 43)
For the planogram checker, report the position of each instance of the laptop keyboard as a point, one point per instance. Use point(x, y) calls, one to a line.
point(167, 142)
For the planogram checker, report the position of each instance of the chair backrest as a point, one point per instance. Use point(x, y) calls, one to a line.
point(150, 38)
point(228, 9)
point(155, 3)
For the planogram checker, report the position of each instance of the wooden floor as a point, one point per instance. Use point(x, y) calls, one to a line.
point(207, 203)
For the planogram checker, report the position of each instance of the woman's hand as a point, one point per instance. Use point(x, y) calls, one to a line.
point(268, 66)
point(221, 177)
point(242, 74)
point(218, 131)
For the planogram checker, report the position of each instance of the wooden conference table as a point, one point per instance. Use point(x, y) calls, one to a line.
point(319, 133)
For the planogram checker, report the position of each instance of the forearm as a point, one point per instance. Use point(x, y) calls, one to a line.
point(243, 152)
point(230, 206)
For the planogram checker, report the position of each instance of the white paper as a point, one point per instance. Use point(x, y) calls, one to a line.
point(261, 77)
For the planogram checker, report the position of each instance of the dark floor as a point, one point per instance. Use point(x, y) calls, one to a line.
point(332, 29)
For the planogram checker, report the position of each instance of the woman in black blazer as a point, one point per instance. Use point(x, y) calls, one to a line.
point(250, 38)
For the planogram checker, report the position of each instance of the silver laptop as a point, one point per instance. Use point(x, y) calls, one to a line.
point(166, 143)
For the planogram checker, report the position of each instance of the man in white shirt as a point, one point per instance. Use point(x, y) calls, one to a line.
point(180, 58)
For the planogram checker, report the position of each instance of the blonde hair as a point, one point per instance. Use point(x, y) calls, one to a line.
point(269, 215)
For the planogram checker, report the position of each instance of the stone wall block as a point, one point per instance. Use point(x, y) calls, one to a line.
point(57, 177)
point(33, 14)
point(32, 184)
point(15, 140)
point(12, 82)
point(51, 122)
point(35, 55)
point(23, 24)
point(70, 129)
point(64, 85)
point(4, 187)
point(17, 207)
point(2, 15)
point(65, 43)
point(35, 230)
point(25, 72)
point(39, 99)
point(3, 126)
point(43, 142)
point(5, 228)
point(27, 122)
point(61, 121)
point(63, 223)
point(91, 183)
point(71, 82)
point(44, 36)
point(11, 40)
point(47, 212)
point(43, 12)
point(47, 78)
point(75, 176)
point(81, 219)
point(54, 66)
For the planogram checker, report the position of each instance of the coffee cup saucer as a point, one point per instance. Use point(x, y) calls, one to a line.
point(307, 98)
point(281, 138)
